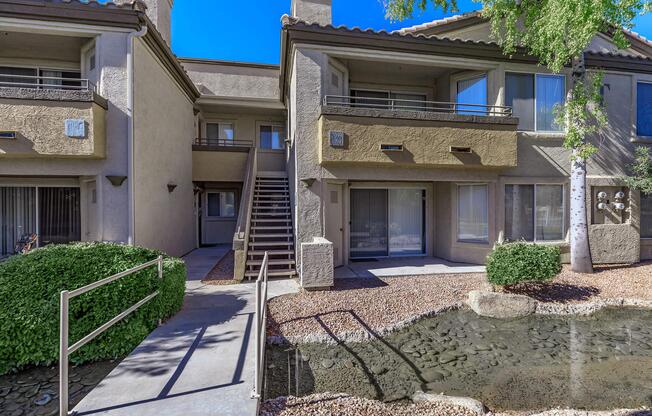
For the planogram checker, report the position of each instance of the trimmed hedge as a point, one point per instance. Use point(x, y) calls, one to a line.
point(521, 262)
point(29, 291)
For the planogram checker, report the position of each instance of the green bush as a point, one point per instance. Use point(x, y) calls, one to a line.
point(521, 262)
point(29, 294)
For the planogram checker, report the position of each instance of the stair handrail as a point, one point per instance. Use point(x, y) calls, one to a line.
point(261, 329)
point(243, 225)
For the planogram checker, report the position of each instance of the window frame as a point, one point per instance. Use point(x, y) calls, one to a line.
point(640, 216)
point(39, 69)
point(456, 82)
point(564, 202)
point(389, 98)
point(280, 124)
point(534, 98)
point(457, 219)
point(221, 217)
point(635, 112)
point(218, 122)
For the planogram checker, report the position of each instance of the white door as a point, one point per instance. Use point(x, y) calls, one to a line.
point(334, 221)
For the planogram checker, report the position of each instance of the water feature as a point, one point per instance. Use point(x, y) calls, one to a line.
point(597, 362)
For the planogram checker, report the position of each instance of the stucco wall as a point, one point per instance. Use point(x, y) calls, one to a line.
point(232, 80)
point(164, 128)
point(219, 166)
point(40, 128)
point(425, 143)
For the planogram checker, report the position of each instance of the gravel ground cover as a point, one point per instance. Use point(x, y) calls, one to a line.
point(222, 273)
point(364, 304)
point(35, 391)
point(343, 405)
point(359, 305)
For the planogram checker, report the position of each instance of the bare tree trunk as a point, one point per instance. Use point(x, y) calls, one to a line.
point(581, 260)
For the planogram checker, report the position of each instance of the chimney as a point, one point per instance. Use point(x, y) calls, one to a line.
point(160, 13)
point(313, 11)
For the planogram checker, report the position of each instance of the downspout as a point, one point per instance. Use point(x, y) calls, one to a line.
point(130, 132)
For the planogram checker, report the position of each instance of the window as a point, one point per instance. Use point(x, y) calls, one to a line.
point(272, 137)
point(473, 213)
point(472, 91)
point(533, 98)
point(644, 109)
point(646, 216)
point(382, 100)
point(6, 80)
point(220, 204)
point(219, 131)
point(56, 79)
point(534, 212)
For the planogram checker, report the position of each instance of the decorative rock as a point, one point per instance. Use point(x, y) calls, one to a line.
point(467, 402)
point(326, 363)
point(43, 400)
point(432, 375)
point(501, 305)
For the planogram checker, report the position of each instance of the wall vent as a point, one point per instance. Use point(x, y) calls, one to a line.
point(457, 149)
point(391, 147)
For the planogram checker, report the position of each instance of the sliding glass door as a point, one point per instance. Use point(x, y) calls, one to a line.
point(52, 213)
point(387, 222)
point(17, 216)
point(368, 223)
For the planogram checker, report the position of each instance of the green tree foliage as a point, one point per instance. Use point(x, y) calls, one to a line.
point(641, 171)
point(29, 291)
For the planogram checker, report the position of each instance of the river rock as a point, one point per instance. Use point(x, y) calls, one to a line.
point(501, 305)
point(467, 402)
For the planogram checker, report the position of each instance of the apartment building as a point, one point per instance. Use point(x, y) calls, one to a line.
point(424, 142)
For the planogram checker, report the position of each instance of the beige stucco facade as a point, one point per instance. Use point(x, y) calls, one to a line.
point(40, 128)
point(164, 127)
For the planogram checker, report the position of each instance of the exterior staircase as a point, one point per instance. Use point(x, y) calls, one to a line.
point(271, 228)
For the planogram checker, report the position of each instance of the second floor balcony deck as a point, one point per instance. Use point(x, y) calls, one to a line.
point(403, 132)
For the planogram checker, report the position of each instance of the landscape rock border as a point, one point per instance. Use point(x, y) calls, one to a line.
point(472, 404)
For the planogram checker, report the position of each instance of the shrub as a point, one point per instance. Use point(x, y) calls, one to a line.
point(29, 291)
point(521, 262)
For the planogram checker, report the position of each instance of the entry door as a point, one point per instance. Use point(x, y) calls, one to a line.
point(334, 222)
point(91, 211)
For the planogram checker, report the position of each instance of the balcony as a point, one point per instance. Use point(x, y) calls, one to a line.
point(220, 159)
point(50, 116)
point(387, 131)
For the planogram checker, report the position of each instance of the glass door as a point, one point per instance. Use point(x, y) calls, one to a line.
point(368, 223)
point(17, 216)
point(406, 222)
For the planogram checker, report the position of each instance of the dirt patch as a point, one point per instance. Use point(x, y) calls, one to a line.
point(608, 282)
point(343, 405)
point(35, 391)
point(373, 304)
point(367, 304)
point(222, 273)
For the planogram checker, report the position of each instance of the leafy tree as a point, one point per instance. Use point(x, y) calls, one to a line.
point(641, 178)
point(557, 32)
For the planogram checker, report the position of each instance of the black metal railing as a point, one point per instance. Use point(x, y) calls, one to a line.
point(417, 105)
point(202, 141)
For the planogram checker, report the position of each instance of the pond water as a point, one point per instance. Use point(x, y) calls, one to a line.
point(597, 362)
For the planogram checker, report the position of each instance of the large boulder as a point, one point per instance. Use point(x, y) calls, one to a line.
point(466, 402)
point(501, 305)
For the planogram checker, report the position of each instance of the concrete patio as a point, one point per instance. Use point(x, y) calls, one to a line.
point(200, 362)
point(406, 266)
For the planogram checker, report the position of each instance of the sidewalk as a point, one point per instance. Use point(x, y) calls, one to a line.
point(200, 362)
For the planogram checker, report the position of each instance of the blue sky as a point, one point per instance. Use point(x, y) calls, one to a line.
point(249, 30)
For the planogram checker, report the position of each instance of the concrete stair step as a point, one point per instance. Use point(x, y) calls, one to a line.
point(270, 252)
point(271, 227)
point(271, 262)
point(273, 273)
point(257, 235)
point(272, 243)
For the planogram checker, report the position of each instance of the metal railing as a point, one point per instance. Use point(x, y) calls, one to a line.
point(45, 83)
point(223, 142)
point(65, 350)
point(417, 105)
point(261, 325)
point(243, 224)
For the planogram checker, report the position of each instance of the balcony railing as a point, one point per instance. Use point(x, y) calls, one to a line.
point(417, 105)
point(222, 142)
point(45, 83)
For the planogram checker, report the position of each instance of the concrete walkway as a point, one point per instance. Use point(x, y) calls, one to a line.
point(200, 362)
point(406, 266)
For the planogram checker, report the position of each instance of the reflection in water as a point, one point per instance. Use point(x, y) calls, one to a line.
point(603, 361)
